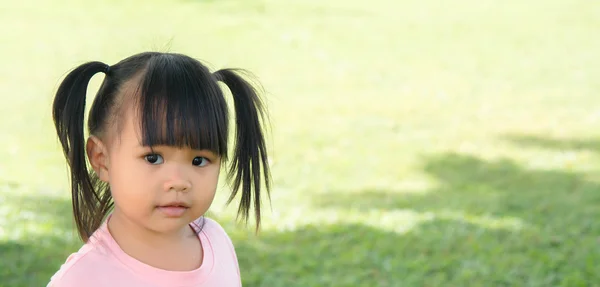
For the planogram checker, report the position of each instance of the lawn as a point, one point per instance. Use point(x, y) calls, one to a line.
point(413, 143)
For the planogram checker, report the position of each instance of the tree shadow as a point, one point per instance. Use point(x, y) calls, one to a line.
point(469, 184)
point(592, 145)
point(40, 237)
point(337, 255)
point(552, 216)
point(439, 252)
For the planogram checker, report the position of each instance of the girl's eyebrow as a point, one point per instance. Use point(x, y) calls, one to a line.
point(211, 153)
point(204, 152)
point(160, 147)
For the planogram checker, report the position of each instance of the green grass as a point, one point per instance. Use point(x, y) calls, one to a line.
point(414, 143)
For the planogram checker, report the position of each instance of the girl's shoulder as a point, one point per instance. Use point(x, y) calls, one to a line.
point(85, 265)
point(219, 240)
point(211, 228)
point(220, 247)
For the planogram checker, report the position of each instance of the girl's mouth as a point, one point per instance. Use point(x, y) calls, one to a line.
point(173, 210)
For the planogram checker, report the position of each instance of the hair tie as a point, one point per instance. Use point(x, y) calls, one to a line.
point(107, 69)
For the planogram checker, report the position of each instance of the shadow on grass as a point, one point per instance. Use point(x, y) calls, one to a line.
point(439, 252)
point(592, 145)
point(550, 217)
point(469, 184)
point(336, 255)
point(39, 237)
point(432, 254)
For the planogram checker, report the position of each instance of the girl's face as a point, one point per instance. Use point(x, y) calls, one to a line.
point(162, 189)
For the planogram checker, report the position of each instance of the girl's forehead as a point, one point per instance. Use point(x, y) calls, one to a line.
point(126, 116)
point(126, 130)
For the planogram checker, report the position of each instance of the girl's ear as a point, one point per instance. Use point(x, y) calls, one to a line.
point(98, 155)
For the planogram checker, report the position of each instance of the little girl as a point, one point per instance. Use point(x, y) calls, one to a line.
point(158, 135)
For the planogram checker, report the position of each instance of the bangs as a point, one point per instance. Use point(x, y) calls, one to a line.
point(180, 104)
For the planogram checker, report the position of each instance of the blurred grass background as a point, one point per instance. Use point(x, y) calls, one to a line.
point(414, 143)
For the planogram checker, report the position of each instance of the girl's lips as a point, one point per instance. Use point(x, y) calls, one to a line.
point(172, 210)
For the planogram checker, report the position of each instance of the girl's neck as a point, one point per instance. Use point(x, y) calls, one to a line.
point(155, 248)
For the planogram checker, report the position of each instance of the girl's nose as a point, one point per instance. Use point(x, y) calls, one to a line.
point(178, 185)
point(177, 181)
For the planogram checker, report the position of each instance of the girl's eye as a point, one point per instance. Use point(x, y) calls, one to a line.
point(154, 159)
point(200, 161)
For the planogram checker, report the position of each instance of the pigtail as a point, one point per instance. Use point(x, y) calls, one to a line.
point(250, 150)
point(68, 113)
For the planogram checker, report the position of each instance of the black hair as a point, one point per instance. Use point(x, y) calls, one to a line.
point(180, 103)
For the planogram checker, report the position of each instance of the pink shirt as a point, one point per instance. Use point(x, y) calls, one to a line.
point(101, 262)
